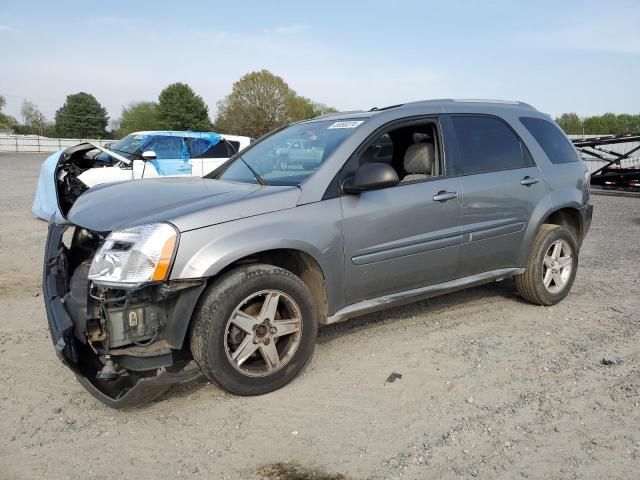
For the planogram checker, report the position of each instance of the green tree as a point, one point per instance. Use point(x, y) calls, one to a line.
point(82, 116)
point(179, 108)
point(594, 126)
point(315, 109)
point(609, 123)
point(570, 123)
point(626, 123)
point(260, 102)
point(7, 122)
point(139, 116)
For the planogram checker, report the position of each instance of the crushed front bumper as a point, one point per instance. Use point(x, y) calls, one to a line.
point(136, 387)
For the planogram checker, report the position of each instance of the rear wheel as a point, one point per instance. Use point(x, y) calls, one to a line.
point(551, 267)
point(255, 329)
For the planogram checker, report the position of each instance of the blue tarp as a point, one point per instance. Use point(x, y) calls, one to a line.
point(173, 152)
point(46, 204)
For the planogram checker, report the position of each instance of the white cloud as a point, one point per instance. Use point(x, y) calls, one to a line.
point(288, 29)
point(109, 20)
point(5, 28)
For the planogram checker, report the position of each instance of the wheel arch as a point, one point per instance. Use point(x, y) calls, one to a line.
point(296, 260)
point(299, 262)
point(568, 217)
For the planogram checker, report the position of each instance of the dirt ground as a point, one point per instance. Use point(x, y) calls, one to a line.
point(491, 387)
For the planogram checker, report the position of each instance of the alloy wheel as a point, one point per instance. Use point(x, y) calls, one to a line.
point(263, 333)
point(557, 267)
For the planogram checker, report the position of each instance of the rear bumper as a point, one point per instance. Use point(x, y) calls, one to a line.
point(135, 388)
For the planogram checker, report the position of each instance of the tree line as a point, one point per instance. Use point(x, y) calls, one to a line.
point(607, 124)
point(258, 103)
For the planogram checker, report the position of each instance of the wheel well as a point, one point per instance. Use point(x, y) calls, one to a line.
point(568, 218)
point(299, 263)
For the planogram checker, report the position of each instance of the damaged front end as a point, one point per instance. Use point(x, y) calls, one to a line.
point(125, 343)
point(84, 166)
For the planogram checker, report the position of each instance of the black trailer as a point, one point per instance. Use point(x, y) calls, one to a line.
point(613, 175)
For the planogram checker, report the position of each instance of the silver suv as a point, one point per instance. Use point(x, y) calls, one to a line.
point(236, 271)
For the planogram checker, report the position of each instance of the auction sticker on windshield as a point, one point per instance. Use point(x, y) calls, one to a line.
point(349, 124)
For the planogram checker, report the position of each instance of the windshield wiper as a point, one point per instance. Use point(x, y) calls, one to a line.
point(255, 174)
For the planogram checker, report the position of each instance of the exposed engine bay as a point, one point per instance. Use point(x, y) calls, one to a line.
point(77, 170)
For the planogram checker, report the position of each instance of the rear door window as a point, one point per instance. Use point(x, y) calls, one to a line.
point(485, 144)
point(551, 139)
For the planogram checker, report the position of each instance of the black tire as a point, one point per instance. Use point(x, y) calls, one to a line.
point(218, 302)
point(530, 284)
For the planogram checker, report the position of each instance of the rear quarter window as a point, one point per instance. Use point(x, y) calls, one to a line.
point(551, 140)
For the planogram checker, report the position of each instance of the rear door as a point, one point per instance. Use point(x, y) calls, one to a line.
point(501, 187)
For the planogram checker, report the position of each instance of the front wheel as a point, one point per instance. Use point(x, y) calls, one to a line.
point(551, 267)
point(254, 329)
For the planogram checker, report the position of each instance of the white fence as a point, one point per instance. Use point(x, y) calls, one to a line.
point(36, 143)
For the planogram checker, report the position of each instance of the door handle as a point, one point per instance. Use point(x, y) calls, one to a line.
point(443, 196)
point(526, 181)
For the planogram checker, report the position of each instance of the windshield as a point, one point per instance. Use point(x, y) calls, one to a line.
point(289, 156)
point(128, 147)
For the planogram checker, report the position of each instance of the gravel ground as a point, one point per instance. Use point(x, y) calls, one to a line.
point(491, 387)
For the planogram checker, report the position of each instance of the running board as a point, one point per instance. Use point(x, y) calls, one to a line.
point(380, 303)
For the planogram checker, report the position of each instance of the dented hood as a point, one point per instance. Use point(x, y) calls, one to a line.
point(186, 202)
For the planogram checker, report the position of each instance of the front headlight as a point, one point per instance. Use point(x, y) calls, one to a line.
point(135, 255)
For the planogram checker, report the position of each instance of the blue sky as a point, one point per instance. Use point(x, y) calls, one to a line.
point(581, 56)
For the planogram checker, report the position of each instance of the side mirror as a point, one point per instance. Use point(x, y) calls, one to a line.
point(149, 155)
point(371, 176)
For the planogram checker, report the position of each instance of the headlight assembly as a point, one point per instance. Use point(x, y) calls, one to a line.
point(135, 255)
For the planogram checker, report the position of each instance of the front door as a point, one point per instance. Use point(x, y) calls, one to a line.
point(400, 238)
point(408, 236)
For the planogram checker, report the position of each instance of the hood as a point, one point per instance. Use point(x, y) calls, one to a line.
point(186, 202)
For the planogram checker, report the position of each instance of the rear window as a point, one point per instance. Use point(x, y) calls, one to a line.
point(485, 144)
point(551, 139)
point(219, 150)
point(235, 145)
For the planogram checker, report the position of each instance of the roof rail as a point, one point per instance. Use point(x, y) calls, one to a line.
point(334, 114)
point(376, 109)
point(502, 102)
